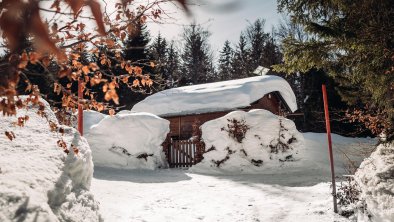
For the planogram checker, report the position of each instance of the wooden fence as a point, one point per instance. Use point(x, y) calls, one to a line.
point(181, 153)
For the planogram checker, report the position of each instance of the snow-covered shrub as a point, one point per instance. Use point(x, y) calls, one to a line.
point(251, 142)
point(375, 177)
point(129, 140)
point(236, 129)
point(348, 193)
point(39, 181)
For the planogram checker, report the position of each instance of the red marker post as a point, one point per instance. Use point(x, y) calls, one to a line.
point(80, 110)
point(328, 128)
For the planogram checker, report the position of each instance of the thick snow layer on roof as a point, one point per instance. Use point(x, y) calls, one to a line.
point(38, 181)
point(216, 96)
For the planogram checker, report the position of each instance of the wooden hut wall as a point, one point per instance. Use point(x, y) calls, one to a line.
point(181, 127)
point(269, 102)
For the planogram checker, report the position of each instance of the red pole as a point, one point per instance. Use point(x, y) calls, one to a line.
point(80, 110)
point(328, 128)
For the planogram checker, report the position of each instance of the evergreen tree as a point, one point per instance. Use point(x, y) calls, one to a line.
point(173, 66)
point(196, 57)
point(271, 53)
point(225, 67)
point(136, 50)
point(257, 39)
point(307, 89)
point(136, 43)
point(354, 43)
point(240, 59)
point(158, 54)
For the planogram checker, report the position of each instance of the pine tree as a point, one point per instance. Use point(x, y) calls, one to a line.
point(257, 39)
point(158, 54)
point(136, 43)
point(196, 57)
point(271, 53)
point(353, 43)
point(173, 66)
point(136, 50)
point(240, 61)
point(225, 67)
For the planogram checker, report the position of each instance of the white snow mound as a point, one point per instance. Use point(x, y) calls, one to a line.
point(40, 182)
point(259, 152)
point(129, 141)
point(376, 180)
point(91, 118)
point(218, 96)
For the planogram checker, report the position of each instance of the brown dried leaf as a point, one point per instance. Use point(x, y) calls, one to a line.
point(183, 3)
point(85, 70)
point(10, 25)
point(34, 57)
point(105, 87)
point(125, 79)
point(10, 135)
point(23, 61)
point(138, 70)
point(39, 29)
point(46, 61)
point(75, 5)
point(75, 149)
point(96, 11)
point(136, 83)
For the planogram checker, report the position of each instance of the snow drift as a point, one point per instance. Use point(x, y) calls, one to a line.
point(269, 142)
point(91, 118)
point(375, 177)
point(217, 96)
point(38, 180)
point(129, 140)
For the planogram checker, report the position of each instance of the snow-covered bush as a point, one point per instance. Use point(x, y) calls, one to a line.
point(39, 181)
point(348, 195)
point(375, 177)
point(251, 142)
point(129, 140)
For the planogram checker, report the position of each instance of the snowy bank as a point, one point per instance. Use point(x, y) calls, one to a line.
point(91, 118)
point(218, 96)
point(129, 140)
point(38, 180)
point(375, 177)
point(249, 142)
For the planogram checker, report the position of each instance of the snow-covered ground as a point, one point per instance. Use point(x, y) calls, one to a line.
point(38, 180)
point(300, 194)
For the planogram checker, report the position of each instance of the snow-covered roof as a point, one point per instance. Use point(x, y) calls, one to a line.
point(218, 96)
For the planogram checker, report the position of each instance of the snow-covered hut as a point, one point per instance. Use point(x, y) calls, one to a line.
point(188, 105)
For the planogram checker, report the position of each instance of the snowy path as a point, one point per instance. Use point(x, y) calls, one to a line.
point(176, 195)
point(296, 194)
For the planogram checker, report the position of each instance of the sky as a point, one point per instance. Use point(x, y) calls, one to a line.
point(225, 19)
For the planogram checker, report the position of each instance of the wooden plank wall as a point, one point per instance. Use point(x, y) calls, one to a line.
point(181, 127)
